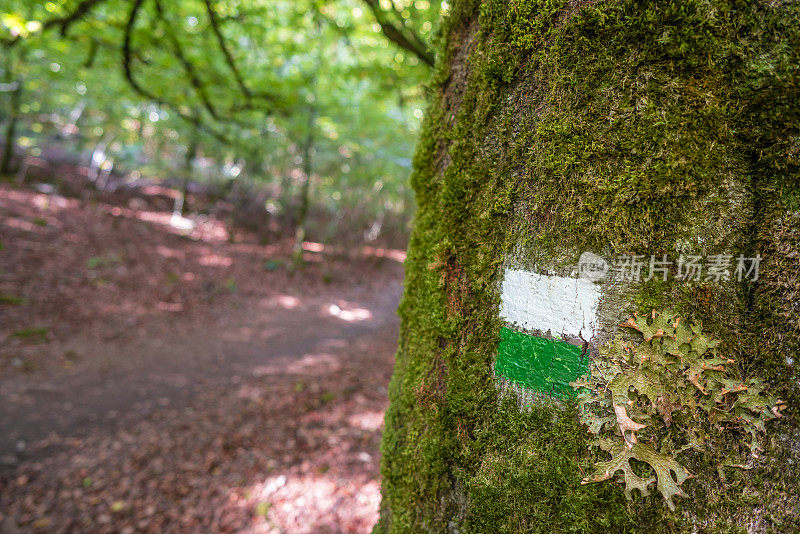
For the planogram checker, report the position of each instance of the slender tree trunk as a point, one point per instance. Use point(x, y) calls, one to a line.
point(186, 176)
point(636, 132)
point(307, 151)
point(74, 116)
point(305, 191)
point(100, 155)
point(8, 148)
point(10, 134)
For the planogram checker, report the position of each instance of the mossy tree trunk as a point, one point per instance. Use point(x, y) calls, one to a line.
point(620, 128)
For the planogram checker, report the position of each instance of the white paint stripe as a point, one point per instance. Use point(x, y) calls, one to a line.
point(561, 305)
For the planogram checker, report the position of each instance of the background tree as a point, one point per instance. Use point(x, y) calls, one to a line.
point(620, 128)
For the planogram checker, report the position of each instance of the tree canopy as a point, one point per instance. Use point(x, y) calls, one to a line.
point(257, 87)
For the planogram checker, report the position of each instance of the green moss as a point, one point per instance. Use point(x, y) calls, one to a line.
point(529, 470)
point(619, 127)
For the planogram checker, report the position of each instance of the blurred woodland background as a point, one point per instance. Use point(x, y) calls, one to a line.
point(203, 212)
point(234, 101)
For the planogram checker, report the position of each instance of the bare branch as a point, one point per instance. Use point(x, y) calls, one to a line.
point(231, 62)
point(126, 49)
point(410, 33)
point(191, 72)
point(404, 38)
point(212, 17)
point(191, 117)
point(137, 87)
point(65, 22)
point(83, 9)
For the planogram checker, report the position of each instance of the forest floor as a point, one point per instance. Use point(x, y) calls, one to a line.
point(154, 380)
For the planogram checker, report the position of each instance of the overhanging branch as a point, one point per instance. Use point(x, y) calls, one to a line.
point(212, 17)
point(83, 9)
point(191, 72)
point(139, 89)
point(401, 36)
point(65, 22)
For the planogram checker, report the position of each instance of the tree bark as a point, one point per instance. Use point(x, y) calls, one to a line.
point(179, 209)
point(305, 190)
point(10, 135)
point(8, 148)
point(306, 152)
point(624, 129)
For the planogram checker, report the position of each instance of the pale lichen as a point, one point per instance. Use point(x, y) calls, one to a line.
point(670, 394)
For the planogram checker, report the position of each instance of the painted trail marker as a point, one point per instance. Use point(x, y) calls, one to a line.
point(552, 307)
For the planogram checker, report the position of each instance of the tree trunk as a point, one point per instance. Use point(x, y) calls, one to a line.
point(305, 191)
point(179, 209)
point(10, 135)
point(636, 132)
point(8, 148)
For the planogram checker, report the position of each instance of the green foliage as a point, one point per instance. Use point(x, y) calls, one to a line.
point(674, 392)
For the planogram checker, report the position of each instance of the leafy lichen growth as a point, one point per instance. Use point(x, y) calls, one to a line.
point(670, 394)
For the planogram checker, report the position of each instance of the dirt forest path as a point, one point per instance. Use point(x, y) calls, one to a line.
point(153, 381)
point(135, 380)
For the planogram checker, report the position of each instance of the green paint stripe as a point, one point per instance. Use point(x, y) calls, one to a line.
point(540, 364)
